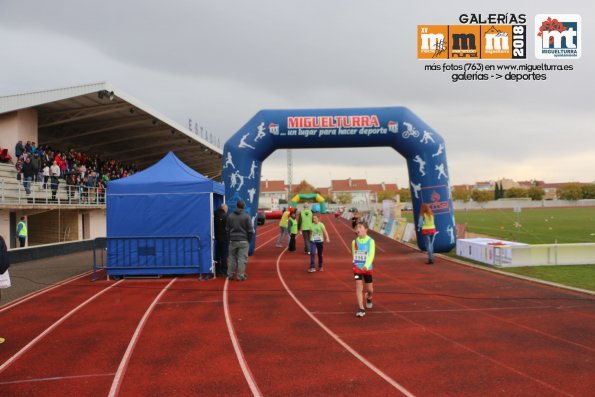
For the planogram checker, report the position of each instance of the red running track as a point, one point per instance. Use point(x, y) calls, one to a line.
point(445, 329)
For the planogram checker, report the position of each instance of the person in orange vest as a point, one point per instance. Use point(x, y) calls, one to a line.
point(427, 227)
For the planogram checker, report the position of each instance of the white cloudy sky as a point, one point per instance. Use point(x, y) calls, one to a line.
point(220, 61)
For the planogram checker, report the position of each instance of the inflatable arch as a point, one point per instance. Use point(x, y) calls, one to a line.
point(310, 196)
point(395, 127)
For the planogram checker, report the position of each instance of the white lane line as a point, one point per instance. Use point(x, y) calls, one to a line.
point(336, 337)
point(18, 354)
point(182, 302)
point(485, 356)
point(266, 242)
point(139, 328)
point(453, 310)
point(33, 294)
point(237, 348)
point(12, 382)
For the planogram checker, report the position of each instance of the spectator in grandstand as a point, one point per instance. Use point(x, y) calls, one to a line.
point(427, 227)
point(19, 149)
point(22, 232)
point(91, 182)
point(47, 156)
point(63, 165)
point(82, 170)
point(54, 175)
point(46, 174)
point(101, 184)
point(19, 167)
point(221, 240)
point(29, 173)
point(239, 230)
point(36, 162)
point(4, 156)
point(72, 181)
point(33, 148)
point(28, 147)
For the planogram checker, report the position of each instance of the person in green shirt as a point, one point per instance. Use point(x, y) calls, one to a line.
point(283, 223)
point(306, 227)
point(319, 234)
point(292, 225)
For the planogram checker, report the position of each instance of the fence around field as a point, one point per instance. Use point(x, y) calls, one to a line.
point(147, 255)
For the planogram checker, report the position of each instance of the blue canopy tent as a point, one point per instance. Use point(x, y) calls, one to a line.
point(159, 221)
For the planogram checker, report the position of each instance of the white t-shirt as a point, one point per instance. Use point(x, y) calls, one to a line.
point(55, 170)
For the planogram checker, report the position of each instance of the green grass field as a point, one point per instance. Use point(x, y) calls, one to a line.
point(537, 226)
point(533, 226)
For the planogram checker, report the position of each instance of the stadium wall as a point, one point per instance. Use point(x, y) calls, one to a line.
point(18, 126)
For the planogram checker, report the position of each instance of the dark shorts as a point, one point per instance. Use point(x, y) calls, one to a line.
point(366, 277)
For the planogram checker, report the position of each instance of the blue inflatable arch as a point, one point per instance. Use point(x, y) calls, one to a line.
point(395, 127)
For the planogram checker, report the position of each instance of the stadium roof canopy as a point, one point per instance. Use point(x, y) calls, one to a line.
point(100, 119)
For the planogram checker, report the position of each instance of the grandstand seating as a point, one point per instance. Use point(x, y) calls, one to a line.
point(13, 192)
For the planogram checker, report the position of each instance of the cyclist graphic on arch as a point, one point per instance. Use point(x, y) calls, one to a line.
point(410, 130)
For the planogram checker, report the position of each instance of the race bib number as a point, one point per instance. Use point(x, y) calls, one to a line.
point(317, 237)
point(360, 256)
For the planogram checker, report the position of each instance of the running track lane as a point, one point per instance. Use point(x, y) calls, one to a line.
point(287, 352)
point(184, 349)
point(81, 355)
point(468, 346)
point(185, 341)
point(24, 320)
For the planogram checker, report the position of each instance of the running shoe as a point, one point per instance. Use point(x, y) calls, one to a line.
point(360, 313)
point(320, 269)
point(369, 304)
point(311, 270)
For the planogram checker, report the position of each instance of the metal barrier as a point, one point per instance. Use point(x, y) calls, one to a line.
point(14, 192)
point(147, 255)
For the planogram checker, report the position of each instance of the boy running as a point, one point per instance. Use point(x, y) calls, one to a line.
point(319, 234)
point(363, 249)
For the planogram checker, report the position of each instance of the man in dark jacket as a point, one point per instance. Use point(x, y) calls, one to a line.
point(221, 240)
point(29, 173)
point(239, 230)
